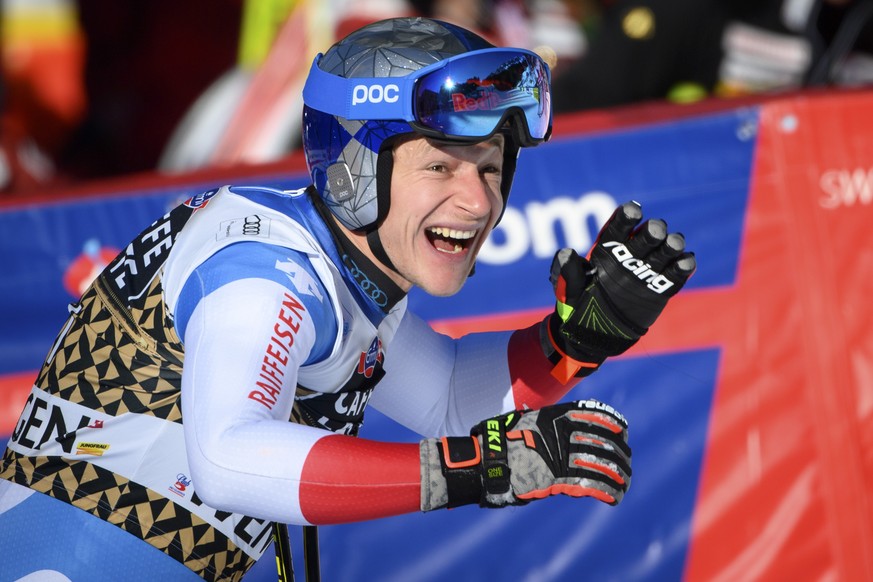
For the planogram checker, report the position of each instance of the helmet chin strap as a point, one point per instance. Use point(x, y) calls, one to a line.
point(375, 244)
point(384, 170)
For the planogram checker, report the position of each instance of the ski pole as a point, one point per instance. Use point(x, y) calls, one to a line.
point(282, 546)
point(311, 557)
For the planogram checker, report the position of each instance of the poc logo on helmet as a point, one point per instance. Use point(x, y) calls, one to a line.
point(375, 94)
point(643, 270)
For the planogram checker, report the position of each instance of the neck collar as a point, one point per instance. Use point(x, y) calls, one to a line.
point(373, 283)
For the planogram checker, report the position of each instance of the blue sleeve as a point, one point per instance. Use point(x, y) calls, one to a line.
point(247, 260)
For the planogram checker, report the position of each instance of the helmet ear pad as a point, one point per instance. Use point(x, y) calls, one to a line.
point(342, 157)
point(341, 184)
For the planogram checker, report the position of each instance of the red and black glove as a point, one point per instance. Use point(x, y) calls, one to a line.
point(577, 448)
point(606, 302)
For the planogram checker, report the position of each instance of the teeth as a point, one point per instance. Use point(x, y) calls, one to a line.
point(451, 233)
point(457, 249)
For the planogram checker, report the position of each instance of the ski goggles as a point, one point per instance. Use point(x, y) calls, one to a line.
point(467, 97)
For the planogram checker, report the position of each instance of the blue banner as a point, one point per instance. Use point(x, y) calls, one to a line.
point(695, 173)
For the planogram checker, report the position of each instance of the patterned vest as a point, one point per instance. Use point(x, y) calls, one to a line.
point(102, 427)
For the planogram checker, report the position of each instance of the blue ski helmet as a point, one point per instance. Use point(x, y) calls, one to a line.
point(406, 76)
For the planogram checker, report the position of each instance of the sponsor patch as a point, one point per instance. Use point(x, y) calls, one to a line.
point(96, 449)
point(200, 200)
point(180, 486)
point(252, 226)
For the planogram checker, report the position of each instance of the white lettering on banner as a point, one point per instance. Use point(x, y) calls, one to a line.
point(537, 227)
point(375, 94)
point(846, 187)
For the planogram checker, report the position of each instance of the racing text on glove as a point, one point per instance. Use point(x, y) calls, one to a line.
point(606, 302)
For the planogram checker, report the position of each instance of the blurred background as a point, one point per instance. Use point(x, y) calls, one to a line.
point(748, 124)
point(93, 90)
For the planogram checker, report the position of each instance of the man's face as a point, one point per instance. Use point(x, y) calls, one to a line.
point(445, 200)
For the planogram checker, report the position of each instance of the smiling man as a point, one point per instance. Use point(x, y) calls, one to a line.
point(446, 199)
point(156, 439)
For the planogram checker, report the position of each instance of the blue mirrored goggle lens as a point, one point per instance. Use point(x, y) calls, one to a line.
point(473, 94)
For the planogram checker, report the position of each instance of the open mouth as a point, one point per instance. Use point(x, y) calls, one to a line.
point(448, 240)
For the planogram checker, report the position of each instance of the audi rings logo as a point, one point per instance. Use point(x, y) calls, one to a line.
point(251, 225)
point(367, 286)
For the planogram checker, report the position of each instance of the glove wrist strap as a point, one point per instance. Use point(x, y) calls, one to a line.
point(495, 463)
point(566, 367)
point(461, 462)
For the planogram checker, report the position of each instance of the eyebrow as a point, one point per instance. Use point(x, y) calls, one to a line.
point(496, 141)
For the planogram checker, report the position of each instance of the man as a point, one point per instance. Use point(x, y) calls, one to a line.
point(162, 409)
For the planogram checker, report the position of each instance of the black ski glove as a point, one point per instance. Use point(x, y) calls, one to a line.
point(607, 302)
point(577, 448)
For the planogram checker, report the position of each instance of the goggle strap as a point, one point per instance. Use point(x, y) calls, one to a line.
point(359, 98)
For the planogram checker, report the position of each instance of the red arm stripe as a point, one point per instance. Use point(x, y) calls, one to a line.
point(533, 385)
point(348, 479)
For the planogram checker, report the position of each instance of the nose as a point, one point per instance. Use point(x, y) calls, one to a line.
point(475, 194)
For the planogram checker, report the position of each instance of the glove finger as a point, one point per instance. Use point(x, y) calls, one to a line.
point(562, 257)
point(672, 247)
point(594, 472)
point(647, 238)
point(612, 450)
point(578, 487)
point(606, 428)
point(599, 469)
point(589, 413)
point(592, 488)
point(680, 270)
point(616, 493)
point(621, 224)
point(570, 275)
